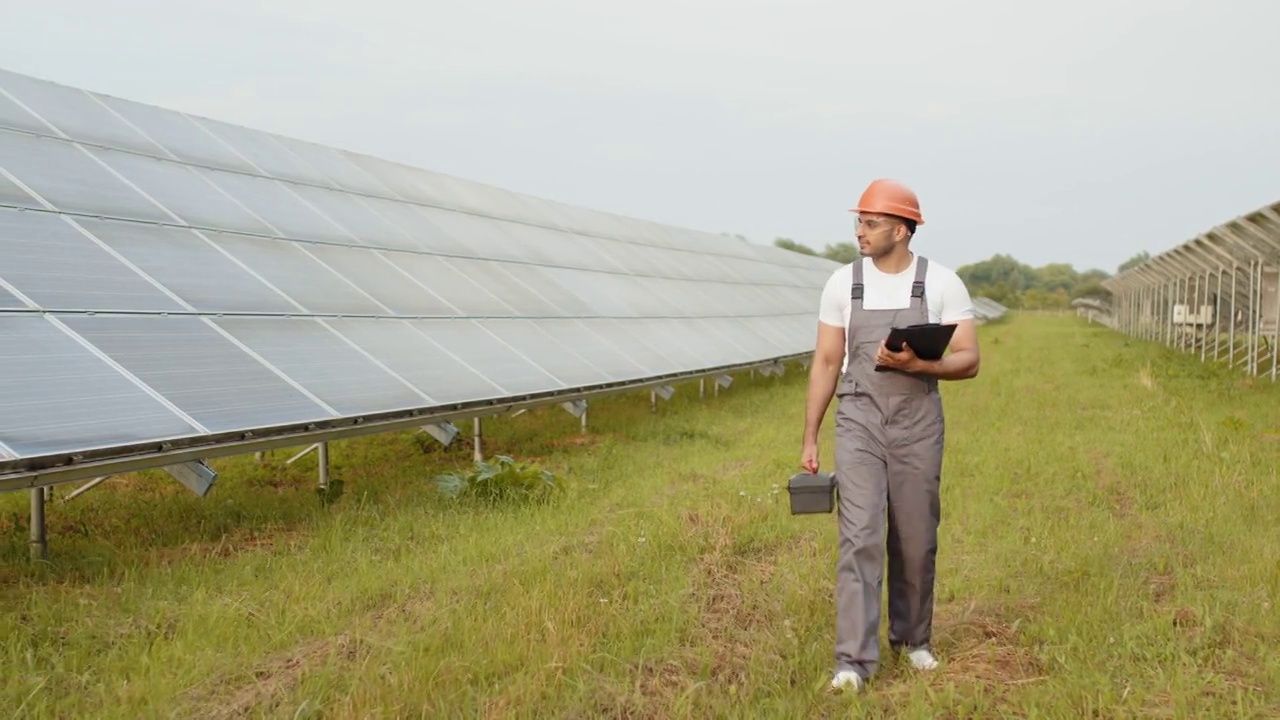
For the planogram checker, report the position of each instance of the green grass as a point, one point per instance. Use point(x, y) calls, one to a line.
point(1109, 549)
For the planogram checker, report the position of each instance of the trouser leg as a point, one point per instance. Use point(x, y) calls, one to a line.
point(914, 476)
point(861, 479)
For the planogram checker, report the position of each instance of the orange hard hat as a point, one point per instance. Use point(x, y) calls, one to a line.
point(890, 197)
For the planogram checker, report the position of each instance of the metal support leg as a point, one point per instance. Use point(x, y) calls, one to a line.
point(39, 539)
point(653, 401)
point(1203, 303)
point(1257, 322)
point(1231, 328)
point(1217, 318)
point(477, 435)
point(702, 388)
point(1275, 339)
point(323, 460)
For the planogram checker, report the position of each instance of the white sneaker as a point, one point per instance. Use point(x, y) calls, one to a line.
point(848, 680)
point(922, 659)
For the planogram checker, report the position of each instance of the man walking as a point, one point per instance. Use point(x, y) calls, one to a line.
point(889, 428)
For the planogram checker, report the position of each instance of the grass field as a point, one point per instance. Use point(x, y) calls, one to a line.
point(1109, 549)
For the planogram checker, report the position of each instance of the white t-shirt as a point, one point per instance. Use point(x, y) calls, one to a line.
point(945, 293)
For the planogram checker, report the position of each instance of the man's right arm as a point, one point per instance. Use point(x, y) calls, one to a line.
point(824, 373)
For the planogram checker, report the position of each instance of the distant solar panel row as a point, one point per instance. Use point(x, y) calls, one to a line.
point(169, 277)
point(987, 309)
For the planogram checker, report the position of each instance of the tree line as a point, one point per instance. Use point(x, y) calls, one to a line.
point(1004, 279)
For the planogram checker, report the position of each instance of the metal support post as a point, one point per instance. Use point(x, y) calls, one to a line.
point(1251, 317)
point(323, 460)
point(477, 436)
point(1275, 339)
point(39, 539)
point(1217, 318)
point(1204, 342)
point(1231, 327)
point(702, 388)
point(1257, 322)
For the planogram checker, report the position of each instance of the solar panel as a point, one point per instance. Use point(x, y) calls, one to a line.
point(176, 284)
point(987, 309)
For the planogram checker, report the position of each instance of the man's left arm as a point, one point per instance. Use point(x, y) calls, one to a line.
point(962, 359)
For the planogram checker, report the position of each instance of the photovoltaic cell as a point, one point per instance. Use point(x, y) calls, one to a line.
point(272, 201)
point(540, 281)
point(509, 284)
point(336, 166)
point(57, 396)
point(489, 356)
point(606, 293)
point(11, 194)
point(182, 192)
point(546, 351)
point(263, 152)
point(477, 237)
point(188, 266)
point(363, 225)
point(647, 333)
point(60, 268)
point(375, 273)
point(198, 370)
point(177, 134)
point(12, 115)
point(453, 286)
point(433, 370)
point(75, 113)
point(325, 364)
point(422, 234)
point(628, 337)
point(594, 348)
point(8, 300)
point(71, 180)
point(288, 267)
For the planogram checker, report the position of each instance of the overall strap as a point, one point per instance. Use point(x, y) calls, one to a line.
point(858, 287)
point(917, 287)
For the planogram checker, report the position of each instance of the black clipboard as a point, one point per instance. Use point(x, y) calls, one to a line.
point(928, 340)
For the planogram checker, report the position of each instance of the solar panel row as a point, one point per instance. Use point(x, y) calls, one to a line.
point(164, 276)
point(986, 309)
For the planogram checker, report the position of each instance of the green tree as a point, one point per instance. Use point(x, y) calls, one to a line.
point(793, 246)
point(845, 252)
point(1134, 261)
point(1017, 285)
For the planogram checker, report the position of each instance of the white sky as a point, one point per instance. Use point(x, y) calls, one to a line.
point(1076, 132)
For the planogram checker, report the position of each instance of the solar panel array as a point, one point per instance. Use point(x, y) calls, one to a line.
point(169, 277)
point(985, 309)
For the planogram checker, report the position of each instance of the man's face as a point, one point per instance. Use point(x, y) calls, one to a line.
point(877, 234)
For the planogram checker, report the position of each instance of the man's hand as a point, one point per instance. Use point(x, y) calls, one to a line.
point(905, 360)
point(809, 457)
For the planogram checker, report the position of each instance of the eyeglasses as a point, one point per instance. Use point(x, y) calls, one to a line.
point(871, 223)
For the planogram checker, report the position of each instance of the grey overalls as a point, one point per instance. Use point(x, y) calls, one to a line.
point(889, 437)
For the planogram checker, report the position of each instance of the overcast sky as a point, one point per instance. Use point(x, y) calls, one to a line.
point(1078, 132)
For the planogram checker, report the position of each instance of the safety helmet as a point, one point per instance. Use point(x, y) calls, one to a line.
point(890, 197)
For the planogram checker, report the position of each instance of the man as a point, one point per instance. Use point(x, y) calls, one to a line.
point(889, 428)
